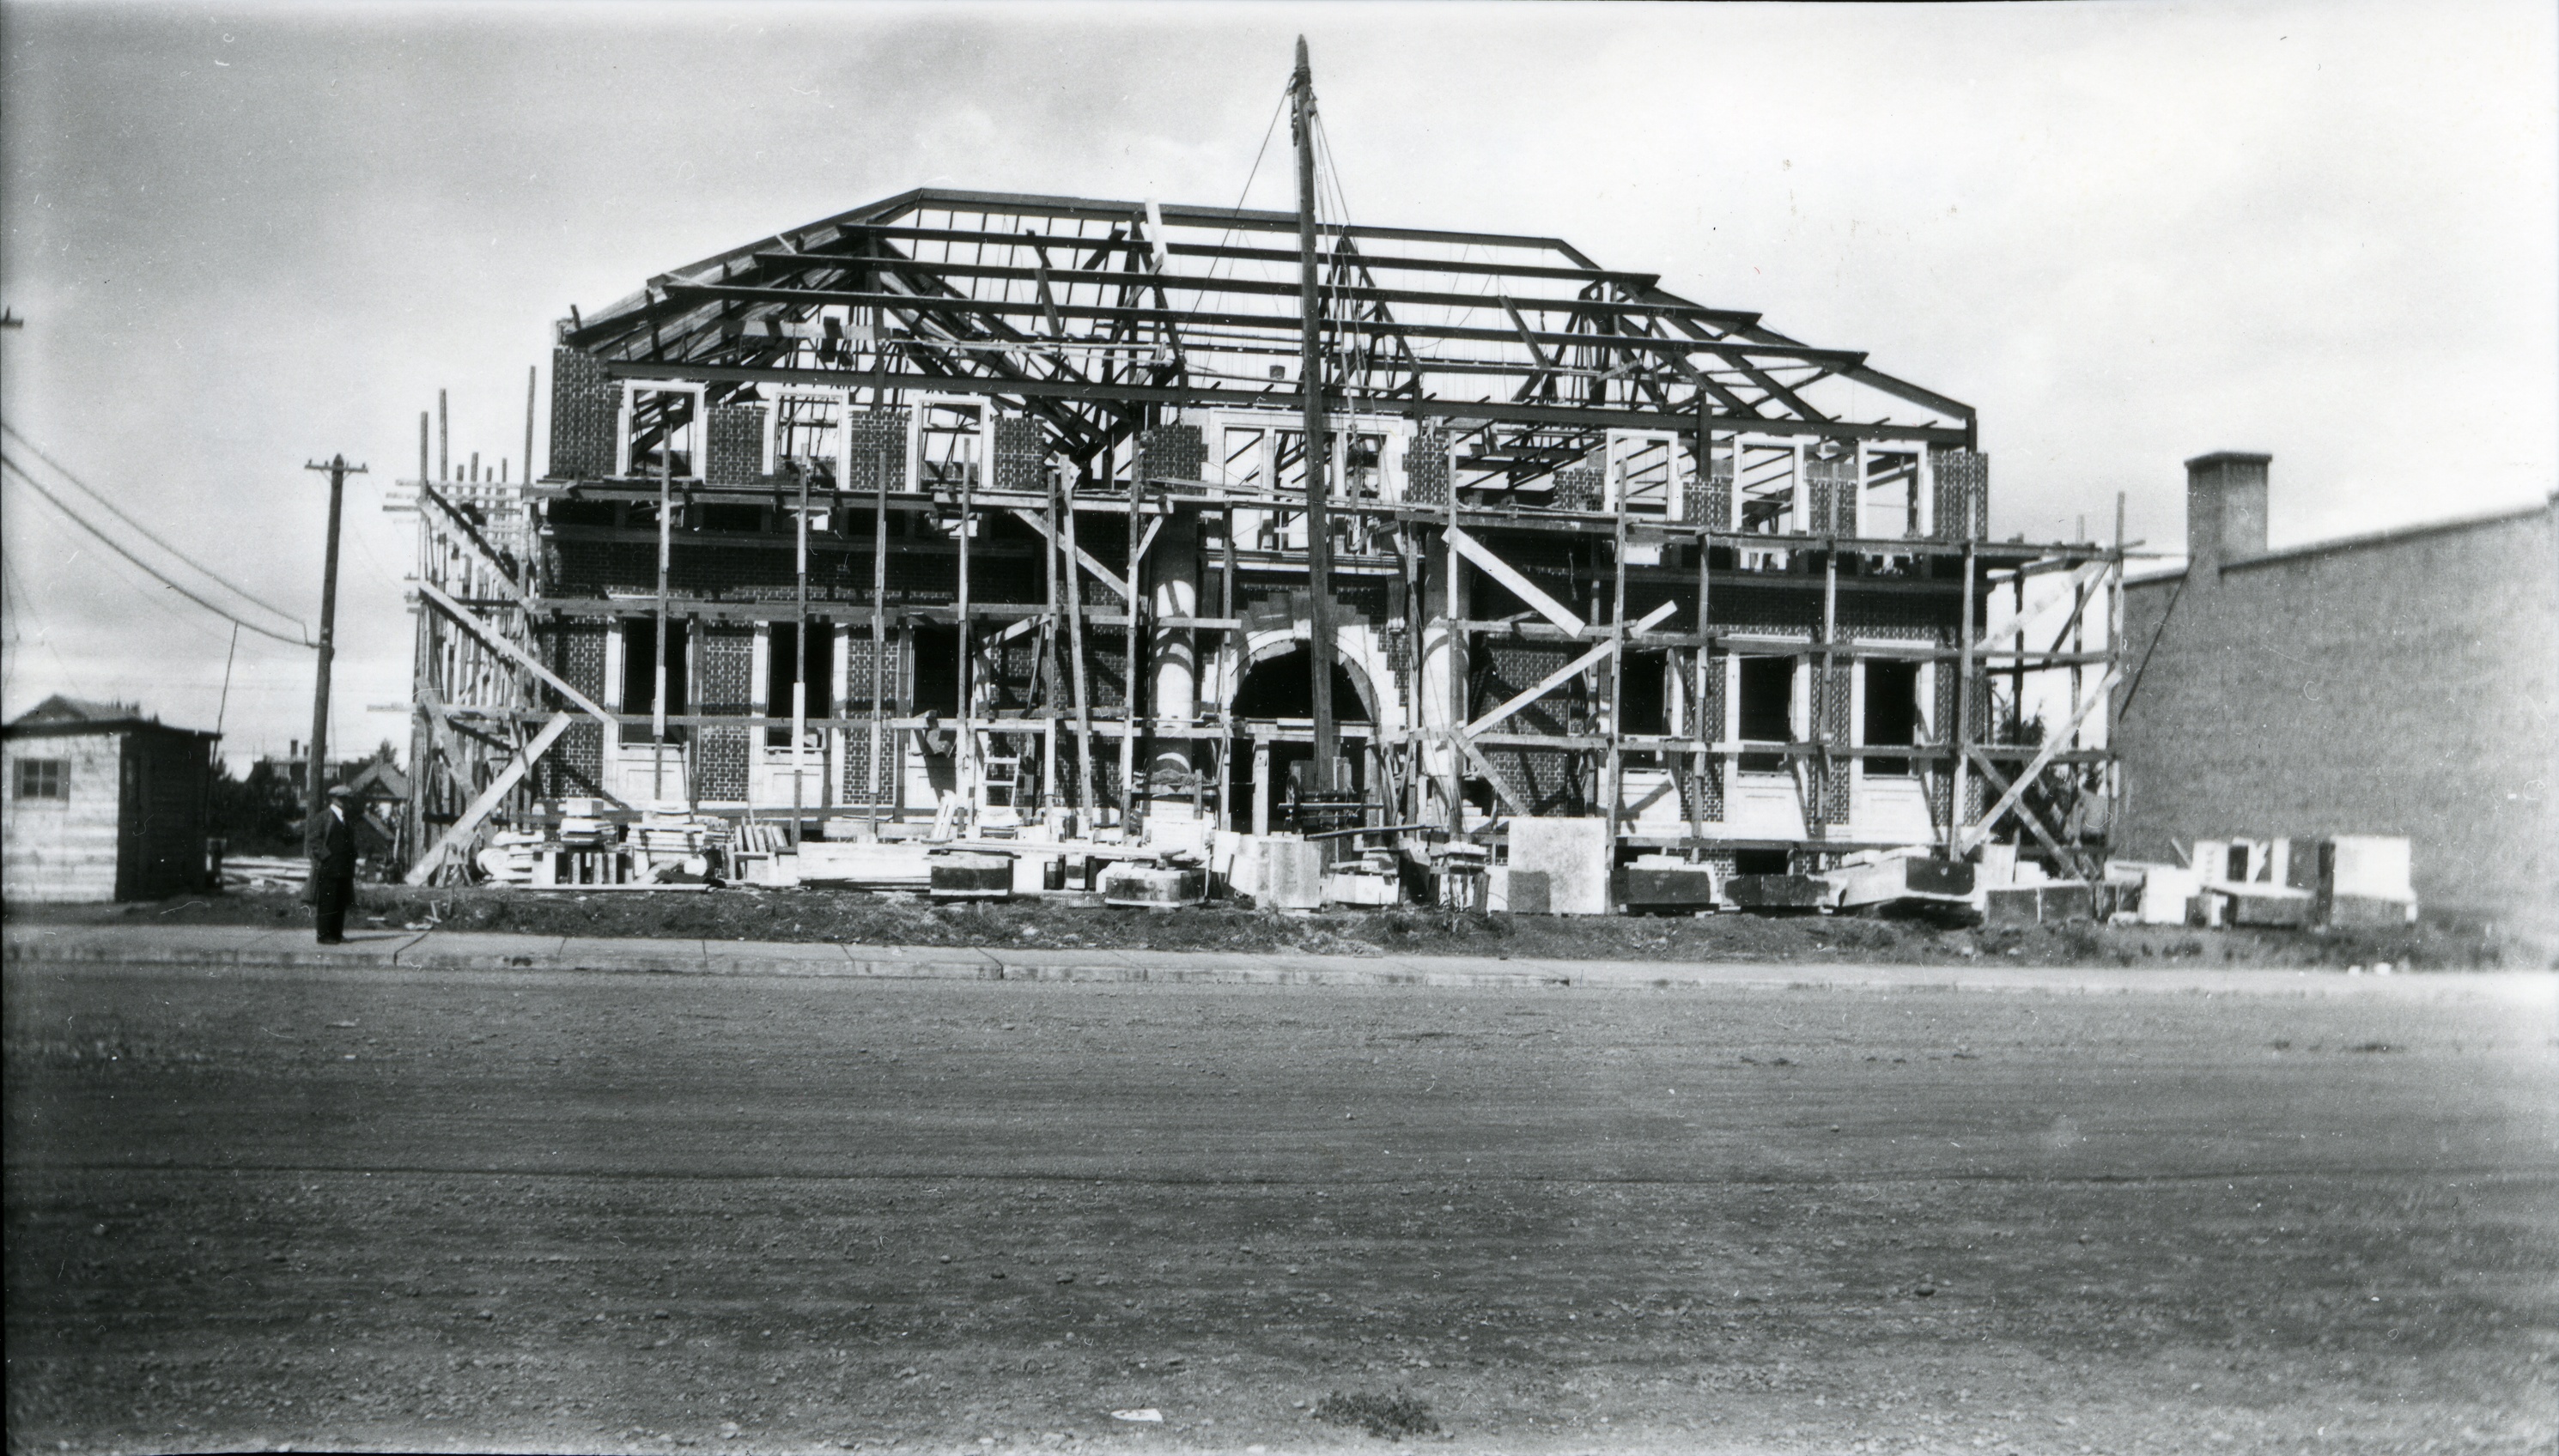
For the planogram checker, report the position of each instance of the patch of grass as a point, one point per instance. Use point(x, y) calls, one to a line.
point(1391, 1417)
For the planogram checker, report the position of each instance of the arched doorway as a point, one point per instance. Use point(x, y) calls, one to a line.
point(1278, 691)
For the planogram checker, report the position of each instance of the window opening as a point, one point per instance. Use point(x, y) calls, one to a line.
point(1643, 474)
point(1766, 706)
point(662, 432)
point(817, 663)
point(1644, 703)
point(808, 435)
point(44, 779)
point(1891, 713)
point(1766, 481)
point(936, 652)
point(950, 445)
point(638, 680)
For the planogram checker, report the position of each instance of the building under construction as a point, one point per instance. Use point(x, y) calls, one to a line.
point(966, 515)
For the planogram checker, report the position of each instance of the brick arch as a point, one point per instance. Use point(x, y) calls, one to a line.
point(1364, 670)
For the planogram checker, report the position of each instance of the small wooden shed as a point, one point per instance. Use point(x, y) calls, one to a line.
point(104, 804)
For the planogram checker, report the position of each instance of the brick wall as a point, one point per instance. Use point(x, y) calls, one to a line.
point(736, 456)
point(724, 683)
point(875, 440)
point(1710, 499)
point(1425, 466)
point(2408, 686)
point(861, 783)
point(1962, 493)
point(1831, 489)
point(1576, 487)
point(575, 764)
point(1172, 451)
point(586, 408)
point(1020, 455)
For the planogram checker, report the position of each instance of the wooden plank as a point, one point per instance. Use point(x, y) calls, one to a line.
point(488, 799)
point(1568, 673)
point(1100, 573)
point(1485, 768)
point(1980, 831)
point(2034, 822)
point(478, 628)
point(1520, 586)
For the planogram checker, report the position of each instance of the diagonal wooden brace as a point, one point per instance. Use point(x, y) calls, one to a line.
point(2034, 822)
point(506, 647)
point(1566, 673)
point(1484, 768)
point(1084, 558)
point(1980, 831)
point(1509, 576)
point(490, 798)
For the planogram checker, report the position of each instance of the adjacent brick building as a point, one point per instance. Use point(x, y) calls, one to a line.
point(2405, 683)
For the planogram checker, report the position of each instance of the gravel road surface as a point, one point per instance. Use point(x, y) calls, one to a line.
point(249, 1207)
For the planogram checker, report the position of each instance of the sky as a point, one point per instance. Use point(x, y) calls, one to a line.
point(243, 238)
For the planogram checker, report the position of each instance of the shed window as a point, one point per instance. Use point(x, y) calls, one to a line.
point(44, 779)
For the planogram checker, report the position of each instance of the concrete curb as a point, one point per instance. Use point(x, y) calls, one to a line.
point(259, 949)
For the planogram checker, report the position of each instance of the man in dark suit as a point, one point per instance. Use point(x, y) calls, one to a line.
point(330, 841)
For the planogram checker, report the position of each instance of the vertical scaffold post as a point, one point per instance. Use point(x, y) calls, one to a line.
point(878, 774)
point(1963, 734)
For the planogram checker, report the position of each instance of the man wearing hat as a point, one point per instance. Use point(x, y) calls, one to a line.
point(331, 842)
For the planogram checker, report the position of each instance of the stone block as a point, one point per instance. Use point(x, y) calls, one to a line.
point(1572, 854)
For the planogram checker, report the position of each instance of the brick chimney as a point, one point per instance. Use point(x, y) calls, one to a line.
point(2226, 508)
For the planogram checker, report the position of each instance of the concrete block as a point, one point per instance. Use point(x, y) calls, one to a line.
point(1152, 886)
point(1528, 891)
point(1779, 892)
point(2168, 895)
point(1660, 883)
point(1279, 872)
point(1347, 887)
point(1909, 880)
point(2013, 904)
point(2369, 866)
point(972, 876)
point(1998, 865)
point(2026, 905)
point(2266, 907)
point(1572, 854)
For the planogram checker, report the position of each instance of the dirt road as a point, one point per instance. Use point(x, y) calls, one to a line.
point(603, 1212)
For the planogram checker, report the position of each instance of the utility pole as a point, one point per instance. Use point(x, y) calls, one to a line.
point(1315, 452)
point(314, 790)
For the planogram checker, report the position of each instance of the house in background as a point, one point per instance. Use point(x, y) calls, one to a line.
point(104, 804)
point(2403, 683)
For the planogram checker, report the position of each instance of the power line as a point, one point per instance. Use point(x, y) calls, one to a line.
point(109, 566)
point(118, 547)
point(94, 493)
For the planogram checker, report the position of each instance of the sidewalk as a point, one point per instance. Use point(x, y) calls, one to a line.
point(290, 948)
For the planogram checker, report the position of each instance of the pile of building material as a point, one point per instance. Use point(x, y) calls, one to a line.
point(2272, 883)
point(1908, 881)
point(264, 872)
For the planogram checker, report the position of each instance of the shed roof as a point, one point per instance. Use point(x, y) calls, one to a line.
point(61, 717)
